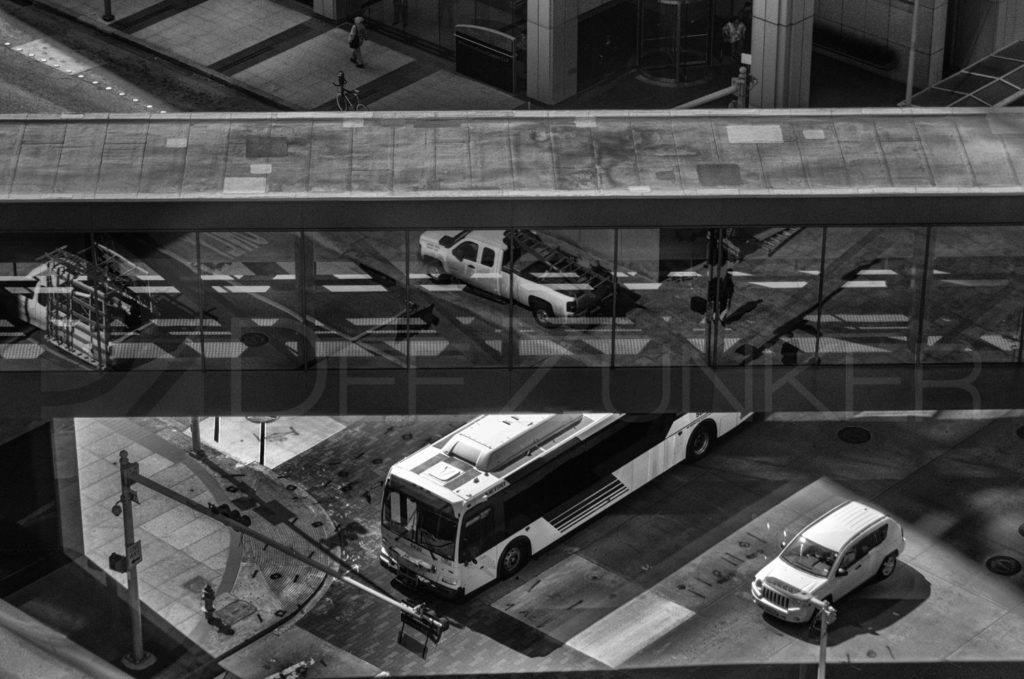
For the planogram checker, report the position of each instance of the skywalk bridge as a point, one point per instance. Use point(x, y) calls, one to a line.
point(875, 259)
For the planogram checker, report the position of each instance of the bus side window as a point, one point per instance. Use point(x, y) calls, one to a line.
point(477, 529)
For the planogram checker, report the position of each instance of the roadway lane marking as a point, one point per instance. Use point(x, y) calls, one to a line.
point(242, 288)
point(630, 628)
point(779, 284)
point(864, 284)
point(154, 289)
point(977, 282)
point(355, 288)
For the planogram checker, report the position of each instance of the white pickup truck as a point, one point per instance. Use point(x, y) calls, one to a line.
point(519, 266)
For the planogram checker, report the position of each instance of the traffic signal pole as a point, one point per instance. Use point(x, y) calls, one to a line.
point(130, 474)
point(826, 616)
point(138, 658)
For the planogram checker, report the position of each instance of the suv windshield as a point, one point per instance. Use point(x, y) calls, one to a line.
point(413, 517)
point(809, 556)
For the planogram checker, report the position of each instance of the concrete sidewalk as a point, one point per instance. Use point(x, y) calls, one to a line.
point(281, 52)
point(258, 589)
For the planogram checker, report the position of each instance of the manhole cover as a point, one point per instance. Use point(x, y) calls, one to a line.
point(317, 524)
point(231, 489)
point(854, 435)
point(406, 437)
point(1003, 565)
point(377, 460)
point(291, 486)
point(275, 576)
point(254, 339)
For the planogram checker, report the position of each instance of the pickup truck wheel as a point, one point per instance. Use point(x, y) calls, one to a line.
point(542, 313)
point(436, 272)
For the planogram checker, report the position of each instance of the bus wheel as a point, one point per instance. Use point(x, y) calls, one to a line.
point(515, 555)
point(701, 442)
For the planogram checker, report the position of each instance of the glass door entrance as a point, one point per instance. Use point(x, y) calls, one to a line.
point(675, 39)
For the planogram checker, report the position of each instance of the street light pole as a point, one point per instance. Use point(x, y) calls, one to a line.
point(108, 14)
point(138, 658)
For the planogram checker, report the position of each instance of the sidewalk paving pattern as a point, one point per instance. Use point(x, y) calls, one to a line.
point(281, 51)
point(258, 588)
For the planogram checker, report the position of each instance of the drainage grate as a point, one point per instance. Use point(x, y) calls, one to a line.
point(1003, 565)
point(854, 435)
point(1020, 432)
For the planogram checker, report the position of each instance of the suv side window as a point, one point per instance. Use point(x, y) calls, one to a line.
point(860, 549)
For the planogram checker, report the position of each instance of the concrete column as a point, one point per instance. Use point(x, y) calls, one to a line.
point(65, 477)
point(1009, 23)
point(781, 53)
point(551, 49)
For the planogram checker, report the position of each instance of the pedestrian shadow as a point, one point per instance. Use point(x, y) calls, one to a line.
point(868, 609)
point(741, 311)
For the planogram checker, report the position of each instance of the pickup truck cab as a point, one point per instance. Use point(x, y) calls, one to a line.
point(518, 267)
point(838, 552)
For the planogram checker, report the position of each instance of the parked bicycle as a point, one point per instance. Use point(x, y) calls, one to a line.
point(346, 99)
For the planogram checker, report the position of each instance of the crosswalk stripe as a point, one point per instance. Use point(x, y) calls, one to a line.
point(630, 628)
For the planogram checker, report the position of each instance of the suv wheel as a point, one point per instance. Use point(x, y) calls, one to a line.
point(887, 567)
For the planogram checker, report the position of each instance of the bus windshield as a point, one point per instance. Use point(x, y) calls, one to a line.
point(425, 521)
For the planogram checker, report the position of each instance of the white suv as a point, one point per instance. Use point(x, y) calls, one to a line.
point(827, 560)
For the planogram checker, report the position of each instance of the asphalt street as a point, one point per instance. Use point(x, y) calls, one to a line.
point(689, 543)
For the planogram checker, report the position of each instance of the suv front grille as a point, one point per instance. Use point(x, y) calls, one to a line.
point(776, 598)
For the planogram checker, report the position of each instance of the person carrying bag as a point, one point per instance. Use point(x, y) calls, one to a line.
point(356, 38)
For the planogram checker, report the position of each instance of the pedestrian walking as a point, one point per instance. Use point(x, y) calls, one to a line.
point(733, 33)
point(400, 13)
point(356, 38)
point(720, 290)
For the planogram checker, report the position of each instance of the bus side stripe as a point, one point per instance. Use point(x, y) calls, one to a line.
point(589, 505)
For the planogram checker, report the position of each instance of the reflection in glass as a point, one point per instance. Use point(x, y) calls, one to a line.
point(249, 293)
point(768, 305)
point(161, 329)
point(564, 286)
point(675, 39)
point(662, 275)
point(358, 303)
point(463, 276)
point(34, 293)
point(870, 296)
point(974, 295)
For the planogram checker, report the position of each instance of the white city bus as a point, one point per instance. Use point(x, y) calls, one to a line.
point(475, 505)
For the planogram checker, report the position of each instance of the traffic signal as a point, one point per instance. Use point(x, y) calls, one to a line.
point(229, 512)
point(118, 563)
